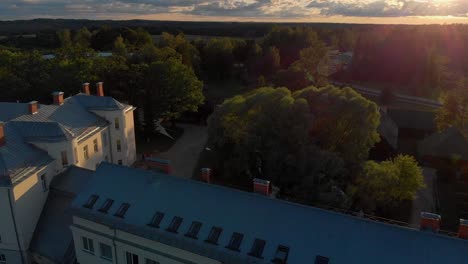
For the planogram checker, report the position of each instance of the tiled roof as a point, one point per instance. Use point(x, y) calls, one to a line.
point(307, 231)
point(18, 158)
point(447, 144)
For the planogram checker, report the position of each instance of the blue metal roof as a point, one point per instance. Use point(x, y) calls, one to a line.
point(92, 102)
point(18, 158)
point(307, 231)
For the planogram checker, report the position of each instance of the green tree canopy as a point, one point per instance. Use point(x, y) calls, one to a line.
point(455, 109)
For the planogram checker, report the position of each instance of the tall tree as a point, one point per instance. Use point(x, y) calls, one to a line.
point(455, 108)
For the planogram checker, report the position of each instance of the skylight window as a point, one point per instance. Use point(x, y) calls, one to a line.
point(235, 242)
point(321, 260)
point(106, 206)
point(214, 235)
point(194, 229)
point(175, 224)
point(281, 255)
point(156, 220)
point(122, 210)
point(91, 201)
point(257, 248)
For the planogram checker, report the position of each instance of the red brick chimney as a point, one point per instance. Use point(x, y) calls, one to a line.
point(430, 222)
point(261, 186)
point(463, 229)
point(100, 89)
point(85, 88)
point(206, 174)
point(58, 98)
point(33, 107)
point(2, 135)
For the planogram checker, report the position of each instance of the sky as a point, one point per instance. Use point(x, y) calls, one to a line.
point(340, 11)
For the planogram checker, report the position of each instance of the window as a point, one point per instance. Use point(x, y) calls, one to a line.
point(175, 224)
point(122, 210)
point(91, 201)
point(156, 220)
point(88, 245)
point(76, 155)
point(257, 248)
point(235, 242)
point(64, 158)
point(106, 251)
point(96, 146)
point(132, 258)
point(119, 162)
point(2, 259)
point(281, 255)
point(321, 260)
point(117, 123)
point(119, 145)
point(106, 205)
point(214, 235)
point(85, 152)
point(44, 183)
point(104, 139)
point(194, 229)
point(150, 261)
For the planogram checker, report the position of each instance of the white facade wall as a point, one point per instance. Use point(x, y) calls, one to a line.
point(94, 158)
point(122, 242)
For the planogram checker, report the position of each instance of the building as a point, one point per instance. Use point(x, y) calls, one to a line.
point(144, 217)
point(38, 142)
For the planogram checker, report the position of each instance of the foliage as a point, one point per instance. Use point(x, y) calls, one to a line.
point(455, 109)
point(389, 182)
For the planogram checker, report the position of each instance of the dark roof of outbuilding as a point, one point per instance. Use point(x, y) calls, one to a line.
point(446, 144)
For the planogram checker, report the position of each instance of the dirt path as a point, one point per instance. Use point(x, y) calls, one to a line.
point(184, 153)
point(424, 201)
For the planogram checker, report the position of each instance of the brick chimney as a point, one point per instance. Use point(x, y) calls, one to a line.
point(261, 186)
point(2, 135)
point(100, 89)
point(463, 229)
point(430, 222)
point(33, 107)
point(85, 88)
point(58, 98)
point(206, 174)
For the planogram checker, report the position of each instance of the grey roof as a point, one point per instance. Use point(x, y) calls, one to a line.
point(18, 158)
point(413, 119)
point(92, 102)
point(388, 129)
point(307, 231)
point(52, 237)
point(447, 144)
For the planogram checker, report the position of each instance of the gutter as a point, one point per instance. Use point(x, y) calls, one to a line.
point(15, 226)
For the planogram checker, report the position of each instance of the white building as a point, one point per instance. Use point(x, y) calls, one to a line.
point(127, 215)
point(39, 141)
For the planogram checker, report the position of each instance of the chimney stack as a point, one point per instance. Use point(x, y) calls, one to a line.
point(261, 186)
point(206, 174)
point(33, 107)
point(2, 134)
point(85, 88)
point(100, 89)
point(430, 222)
point(58, 98)
point(463, 229)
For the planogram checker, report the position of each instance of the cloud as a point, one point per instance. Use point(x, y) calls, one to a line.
point(15, 9)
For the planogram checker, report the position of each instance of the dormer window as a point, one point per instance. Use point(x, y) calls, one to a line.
point(194, 229)
point(321, 260)
point(106, 206)
point(257, 248)
point(91, 201)
point(122, 210)
point(175, 224)
point(156, 220)
point(214, 235)
point(235, 242)
point(281, 255)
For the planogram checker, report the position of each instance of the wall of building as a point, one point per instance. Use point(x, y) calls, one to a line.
point(122, 242)
point(7, 230)
point(95, 158)
point(54, 149)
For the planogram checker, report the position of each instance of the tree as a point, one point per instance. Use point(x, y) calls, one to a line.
point(218, 57)
point(454, 111)
point(388, 183)
point(190, 54)
point(82, 38)
point(120, 49)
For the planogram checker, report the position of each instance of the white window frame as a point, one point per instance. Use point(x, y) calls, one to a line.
point(96, 145)
point(86, 246)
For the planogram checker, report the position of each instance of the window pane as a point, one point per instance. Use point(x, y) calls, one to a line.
point(214, 235)
point(106, 251)
point(236, 240)
point(156, 220)
point(175, 224)
point(257, 248)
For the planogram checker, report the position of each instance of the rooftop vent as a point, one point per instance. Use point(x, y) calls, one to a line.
point(463, 229)
point(58, 98)
point(122, 210)
point(257, 248)
point(100, 89)
point(175, 224)
point(156, 220)
point(85, 88)
point(214, 235)
point(430, 222)
point(106, 206)
point(281, 256)
point(33, 107)
point(91, 201)
point(261, 186)
point(2, 134)
point(235, 242)
point(194, 229)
